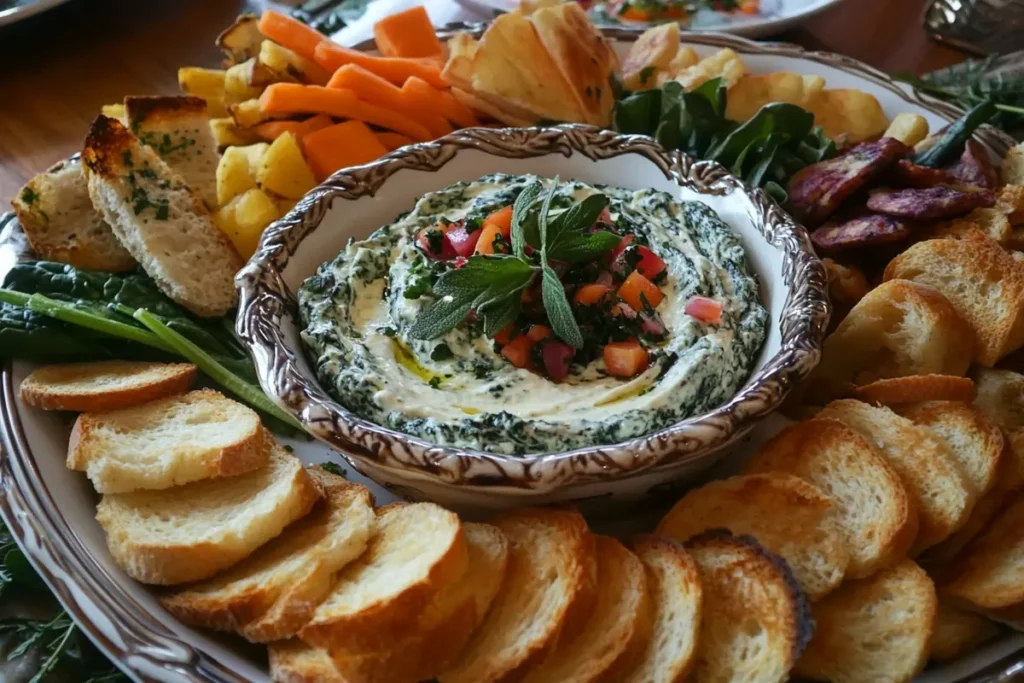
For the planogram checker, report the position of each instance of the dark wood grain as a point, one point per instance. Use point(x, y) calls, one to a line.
point(60, 67)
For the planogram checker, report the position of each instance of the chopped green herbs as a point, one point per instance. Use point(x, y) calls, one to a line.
point(29, 196)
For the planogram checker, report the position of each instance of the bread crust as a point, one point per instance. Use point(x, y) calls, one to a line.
point(897, 390)
point(58, 387)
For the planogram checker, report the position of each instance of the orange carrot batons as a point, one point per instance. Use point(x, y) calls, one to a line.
point(407, 34)
point(339, 146)
point(290, 33)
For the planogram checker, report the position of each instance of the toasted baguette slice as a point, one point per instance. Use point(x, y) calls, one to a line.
point(874, 630)
point(875, 513)
point(899, 390)
point(104, 385)
point(293, 661)
point(1000, 395)
point(756, 621)
point(619, 616)
point(956, 632)
point(786, 515)
point(550, 557)
point(164, 226)
point(976, 442)
point(666, 649)
point(445, 625)
point(419, 549)
point(900, 328)
point(980, 279)
point(60, 223)
point(928, 470)
point(168, 442)
point(178, 129)
point(273, 594)
point(989, 575)
point(191, 532)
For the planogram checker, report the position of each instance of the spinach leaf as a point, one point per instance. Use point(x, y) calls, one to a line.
point(638, 113)
point(951, 145)
point(786, 119)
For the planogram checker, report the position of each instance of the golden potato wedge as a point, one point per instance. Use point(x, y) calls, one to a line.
point(241, 40)
point(458, 70)
point(237, 170)
point(237, 86)
point(227, 133)
point(849, 112)
point(284, 61)
point(724, 64)
point(752, 92)
point(908, 128)
point(247, 114)
point(283, 170)
point(813, 84)
point(652, 52)
point(205, 83)
point(254, 211)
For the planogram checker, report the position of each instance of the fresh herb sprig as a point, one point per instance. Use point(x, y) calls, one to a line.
point(492, 285)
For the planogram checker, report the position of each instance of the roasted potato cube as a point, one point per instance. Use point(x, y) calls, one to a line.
point(289, 63)
point(241, 40)
point(284, 171)
point(227, 133)
point(236, 172)
point(724, 64)
point(247, 114)
point(908, 128)
point(286, 205)
point(237, 87)
point(752, 92)
point(114, 111)
point(205, 83)
point(253, 213)
point(652, 52)
point(853, 113)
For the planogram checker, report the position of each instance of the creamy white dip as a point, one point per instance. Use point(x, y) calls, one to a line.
point(356, 318)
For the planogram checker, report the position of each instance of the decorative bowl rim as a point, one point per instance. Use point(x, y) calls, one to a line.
point(265, 300)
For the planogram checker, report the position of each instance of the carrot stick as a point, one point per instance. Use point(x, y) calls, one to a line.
point(291, 33)
point(393, 140)
point(385, 118)
point(407, 34)
point(369, 87)
point(439, 101)
point(344, 144)
point(395, 69)
point(271, 130)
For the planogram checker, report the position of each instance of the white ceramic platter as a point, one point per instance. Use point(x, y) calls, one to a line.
point(23, 9)
point(51, 510)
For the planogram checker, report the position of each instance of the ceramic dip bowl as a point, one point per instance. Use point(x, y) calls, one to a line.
point(355, 202)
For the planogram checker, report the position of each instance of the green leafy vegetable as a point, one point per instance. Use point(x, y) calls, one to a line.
point(520, 212)
point(333, 468)
point(951, 145)
point(559, 312)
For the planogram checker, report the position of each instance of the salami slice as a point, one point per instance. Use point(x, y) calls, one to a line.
point(931, 202)
point(865, 230)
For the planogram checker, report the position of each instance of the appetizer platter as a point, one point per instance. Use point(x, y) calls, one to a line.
point(485, 281)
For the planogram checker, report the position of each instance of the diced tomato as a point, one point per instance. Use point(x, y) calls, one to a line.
point(539, 332)
point(517, 351)
point(625, 359)
point(614, 253)
point(463, 241)
point(485, 244)
point(650, 323)
point(433, 242)
point(650, 264)
point(588, 295)
point(704, 309)
point(504, 335)
point(460, 261)
point(635, 286)
point(503, 219)
point(557, 356)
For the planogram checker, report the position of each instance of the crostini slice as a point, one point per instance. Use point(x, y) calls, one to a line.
point(104, 385)
point(957, 632)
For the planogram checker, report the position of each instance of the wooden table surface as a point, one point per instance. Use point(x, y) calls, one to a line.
point(61, 66)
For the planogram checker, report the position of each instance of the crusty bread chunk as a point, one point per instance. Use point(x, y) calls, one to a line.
point(665, 651)
point(548, 578)
point(445, 625)
point(874, 630)
point(418, 550)
point(756, 620)
point(938, 489)
point(168, 442)
point(104, 385)
point(874, 510)
point(899, 328)
point(191, 532)
point(786, 514)
point(620, 616)
point(1000, 395)
point(293, 661)
point(178, 129)
point(164, 226)
point(61, 224)
point(982, 281)
point(976, 442)
point(988, 577)
point(899, 390)
point(272, 594)
point(956, 632)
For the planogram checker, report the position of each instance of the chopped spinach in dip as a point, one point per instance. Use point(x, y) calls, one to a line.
point(358, 309)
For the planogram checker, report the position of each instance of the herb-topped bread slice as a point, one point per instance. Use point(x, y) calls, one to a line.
point(755, 621)
point(104, 385)
point(787, 515)
point(620, 619)
point(664, 651)
point(168, 442)
point(191, 532)
point(874, 630)
point(178, 129)
point(875, 513)
point(548, 586)
point(418, 551)
point(61, 224)
point(159, 220)
point(274, 593)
